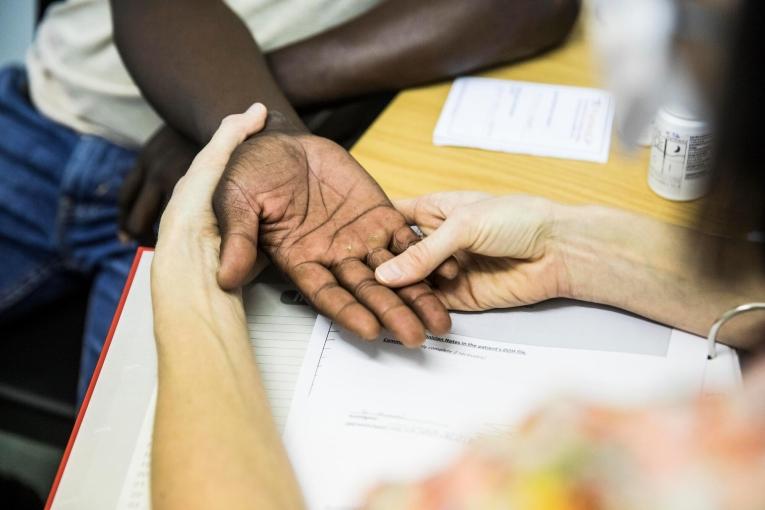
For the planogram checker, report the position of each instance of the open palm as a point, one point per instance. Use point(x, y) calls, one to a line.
point(326, 223)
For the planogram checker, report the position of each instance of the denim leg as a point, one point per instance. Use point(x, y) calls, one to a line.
point(58, 215)
point(91, 184)
point(33, 154)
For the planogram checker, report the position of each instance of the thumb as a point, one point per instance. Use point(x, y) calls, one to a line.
point(238, 225)
point(421, 259)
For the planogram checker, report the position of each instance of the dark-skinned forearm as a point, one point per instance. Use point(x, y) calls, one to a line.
point(196, 62)
point(402, 43)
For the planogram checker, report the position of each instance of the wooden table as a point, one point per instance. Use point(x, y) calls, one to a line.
point(398, 150)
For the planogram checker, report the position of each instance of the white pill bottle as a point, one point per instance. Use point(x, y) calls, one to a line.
point(682, 154)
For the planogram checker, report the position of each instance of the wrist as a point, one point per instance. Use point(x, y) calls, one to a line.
point(194, 309)
point(285, 122)
point(277, 139)
point(183, 282)
point(281, 118)
point(583, 246)
point(619, 259)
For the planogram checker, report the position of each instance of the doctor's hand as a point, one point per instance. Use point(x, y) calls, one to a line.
point(506, 248)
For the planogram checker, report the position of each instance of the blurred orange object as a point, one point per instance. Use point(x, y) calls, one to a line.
point(709, 454)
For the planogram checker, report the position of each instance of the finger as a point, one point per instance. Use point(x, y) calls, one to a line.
point(428, 211)
point(457, 294)
point(238, 219)
point(321, 289)
point(209, 164)
point(390, 310)
point(427, 214)
point(233, 130)
point(405, 237)
point(144, 213)
point(421, 259)
point(418, 211)
point(128, 193)
point(419, 297)
point(451, 301)
point(261, 263)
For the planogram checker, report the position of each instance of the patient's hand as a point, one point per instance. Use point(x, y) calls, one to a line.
point(326, 223)
point(147, 188)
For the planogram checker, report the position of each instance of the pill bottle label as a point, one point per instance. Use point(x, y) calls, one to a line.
point(680, 167)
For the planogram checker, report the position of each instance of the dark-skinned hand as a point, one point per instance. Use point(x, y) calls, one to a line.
point(306, 203)
point(163, 160)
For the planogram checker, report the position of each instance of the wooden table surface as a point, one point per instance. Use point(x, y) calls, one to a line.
point(398, 150)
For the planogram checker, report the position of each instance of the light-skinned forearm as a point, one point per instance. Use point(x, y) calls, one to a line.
point(403, 43)
point(659, 271)
point(215, 443)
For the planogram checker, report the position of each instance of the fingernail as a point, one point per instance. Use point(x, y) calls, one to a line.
point(256, 108)
point(388, 273)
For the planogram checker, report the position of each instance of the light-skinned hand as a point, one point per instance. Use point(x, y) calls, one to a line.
point(505, 247)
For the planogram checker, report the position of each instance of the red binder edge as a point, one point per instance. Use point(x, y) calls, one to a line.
point(94, 379)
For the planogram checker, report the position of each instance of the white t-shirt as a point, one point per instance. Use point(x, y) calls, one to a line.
point(78, 79)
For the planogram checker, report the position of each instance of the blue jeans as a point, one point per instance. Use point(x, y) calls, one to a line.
point(58, 216)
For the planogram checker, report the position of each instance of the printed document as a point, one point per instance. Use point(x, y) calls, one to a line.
point(366, 413)
point(428, 401)
point(527, 118)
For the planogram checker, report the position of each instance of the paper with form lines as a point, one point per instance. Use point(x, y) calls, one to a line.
point(366, 413)
point(527, 118)
point(280, 325)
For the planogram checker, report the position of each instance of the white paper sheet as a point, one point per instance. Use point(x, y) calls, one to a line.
point(280, 329)
point(280, 325)
point(527, 118)
point(364, 413)
point(136, 490)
